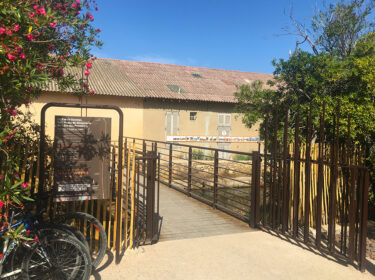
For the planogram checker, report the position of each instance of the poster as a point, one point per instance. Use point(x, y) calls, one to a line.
point(219, 139)
point(82, 158)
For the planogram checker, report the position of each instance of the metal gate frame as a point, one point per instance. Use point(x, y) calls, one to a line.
point(120, 160)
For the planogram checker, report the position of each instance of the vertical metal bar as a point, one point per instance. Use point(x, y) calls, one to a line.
point(285, 176)
point(216, 171)
point(158, 197)
point(150, 194)
point(308, 177)
point(265, 172)
point(189, 170)
point(253, 189)
point(257, 189)
point(352, 212)
point(279, 187)
point(364, 217)
point(170, 166)
point(333, 187)
point(320, 182)
point(274, 183)
point(296, 175)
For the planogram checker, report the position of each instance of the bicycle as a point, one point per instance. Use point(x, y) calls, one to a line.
point(57, 253)
point(94, 231)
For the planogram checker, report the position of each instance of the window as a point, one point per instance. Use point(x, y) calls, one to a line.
point(223, 125)
point(176, 88)
point(193, 116)
point(171, 123)
point(224, 120)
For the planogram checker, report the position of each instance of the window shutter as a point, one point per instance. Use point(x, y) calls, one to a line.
point(175, 123)
point(168, 123)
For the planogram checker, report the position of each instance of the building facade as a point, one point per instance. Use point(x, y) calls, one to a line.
point(163, 102)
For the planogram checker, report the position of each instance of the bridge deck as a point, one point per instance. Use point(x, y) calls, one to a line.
point(185, 218)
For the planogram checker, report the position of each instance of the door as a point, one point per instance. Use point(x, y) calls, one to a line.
point(171, 123)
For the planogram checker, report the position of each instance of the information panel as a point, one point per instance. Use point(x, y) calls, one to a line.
point(82, 158)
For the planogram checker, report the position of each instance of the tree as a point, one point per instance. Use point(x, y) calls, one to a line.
point(340, 69)
point(39, 40)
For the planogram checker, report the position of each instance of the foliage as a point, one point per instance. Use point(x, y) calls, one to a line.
point(197, 154)
point(341, 73)
point(242, 157)
point(41, 41)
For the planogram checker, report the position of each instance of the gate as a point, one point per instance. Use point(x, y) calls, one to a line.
point(316, 193)
point(130, 216)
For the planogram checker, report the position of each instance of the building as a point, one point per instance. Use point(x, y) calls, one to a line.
point(164, 102)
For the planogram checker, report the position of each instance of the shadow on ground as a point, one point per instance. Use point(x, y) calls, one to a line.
point(109, 260)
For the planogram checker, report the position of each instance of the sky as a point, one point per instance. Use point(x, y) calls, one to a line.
point(243, 35)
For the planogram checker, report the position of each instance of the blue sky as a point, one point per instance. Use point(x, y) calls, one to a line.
point(226, 34)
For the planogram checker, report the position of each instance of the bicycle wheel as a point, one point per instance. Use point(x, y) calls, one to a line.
point(61, 229)
point(92, 229)
point(57, 257)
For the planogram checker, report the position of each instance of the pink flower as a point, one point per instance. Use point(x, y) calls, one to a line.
point(53, 24)
point(78, 2)
point(87, 73)
point(2, 30)
point(1, 204)
point(16, 27)
point(18, 48)
point(25, 185)
point(35, 7)
point(11, 57)
point(41, 11)
point(91, 17)
point(23, 56)
point(74, 5)
point(30, 37)
point(27, 102)
point(92, 92)
point(36, 239)
point(1, 177)
point(85, 85)
point(16, 175)
point(96, 9)
point(36, 21)
point(9, 33)
point(98, 30)
point(51, 47)
point(32, 15)
point(89, 65)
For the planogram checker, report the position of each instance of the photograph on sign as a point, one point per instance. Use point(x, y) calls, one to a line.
point(82, 158)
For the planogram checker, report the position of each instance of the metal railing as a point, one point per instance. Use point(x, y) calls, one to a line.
point(219, 178)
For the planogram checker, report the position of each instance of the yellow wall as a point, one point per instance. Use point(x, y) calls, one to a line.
point(147, 118)
point(205, 125)
point(131, 108)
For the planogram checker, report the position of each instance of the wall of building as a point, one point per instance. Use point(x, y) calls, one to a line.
point(206, 123)
point(132, 109)
point(147, 118)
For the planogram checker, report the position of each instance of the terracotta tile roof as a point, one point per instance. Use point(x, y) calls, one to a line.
point(156, 80)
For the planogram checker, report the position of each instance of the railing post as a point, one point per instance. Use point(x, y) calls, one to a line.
point(216, 171)
point(170, 166)
point(151, 174)
point(254, 192)
point(189, 170)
